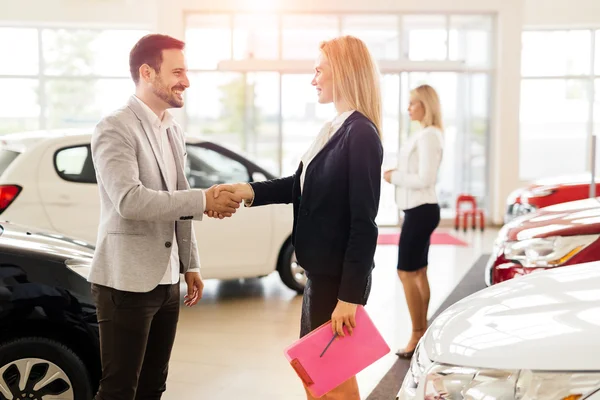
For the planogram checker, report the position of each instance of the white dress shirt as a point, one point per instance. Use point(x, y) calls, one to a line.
point(160, 131)
point(327, 131)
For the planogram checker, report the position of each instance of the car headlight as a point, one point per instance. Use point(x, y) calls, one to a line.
point(418, 365)
point(514, 196)
point(453, 382)
point(547, 252)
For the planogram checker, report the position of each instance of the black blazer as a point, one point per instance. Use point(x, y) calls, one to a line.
point(334, 230)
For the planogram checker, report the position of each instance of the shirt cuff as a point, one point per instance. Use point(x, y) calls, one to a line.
point(248, 203)
point(204, 201)
point(396, 178)
point(193, 270)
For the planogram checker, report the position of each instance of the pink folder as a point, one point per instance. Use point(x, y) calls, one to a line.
point(344, 358)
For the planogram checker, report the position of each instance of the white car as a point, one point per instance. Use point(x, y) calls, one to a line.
point(535, 337)
point(47, 181)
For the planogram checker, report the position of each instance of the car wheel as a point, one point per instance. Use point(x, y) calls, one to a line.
point(41, 369)
point(290, 271)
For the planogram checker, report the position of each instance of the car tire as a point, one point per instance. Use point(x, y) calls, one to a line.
point(290, 271)
point(41, 358)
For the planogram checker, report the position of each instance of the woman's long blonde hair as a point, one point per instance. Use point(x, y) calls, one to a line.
point(355, 76)
point(431, 103)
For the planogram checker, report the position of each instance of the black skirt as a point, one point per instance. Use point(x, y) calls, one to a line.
point(419, 224)
point(319, 301)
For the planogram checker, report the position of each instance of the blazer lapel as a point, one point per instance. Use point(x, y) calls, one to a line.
point(330, 143)
point(181, 179)
point(147, 128)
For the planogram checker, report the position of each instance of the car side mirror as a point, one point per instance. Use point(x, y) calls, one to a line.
point(258, 177)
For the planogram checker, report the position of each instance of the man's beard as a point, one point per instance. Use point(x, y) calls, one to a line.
point(166, 95)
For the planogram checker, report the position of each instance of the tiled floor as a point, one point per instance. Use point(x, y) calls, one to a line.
point(230, 346)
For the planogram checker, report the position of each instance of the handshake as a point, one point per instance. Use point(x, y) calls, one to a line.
point(223, 200)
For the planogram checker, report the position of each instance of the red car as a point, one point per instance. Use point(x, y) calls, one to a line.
point(555, 236)
point(547, 192)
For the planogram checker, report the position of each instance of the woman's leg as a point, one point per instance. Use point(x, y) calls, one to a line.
point(410, 250)
point(318, 303)
point(308, 395)
point(416, 302)
point(423, 284)
point(346, 391)
point(422, 279)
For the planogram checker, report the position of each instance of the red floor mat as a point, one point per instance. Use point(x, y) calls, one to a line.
point(437, 238)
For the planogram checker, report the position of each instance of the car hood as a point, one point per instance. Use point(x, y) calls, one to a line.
point(17, 239)
point(520, 195)
point(581, 217)
point(544, 321)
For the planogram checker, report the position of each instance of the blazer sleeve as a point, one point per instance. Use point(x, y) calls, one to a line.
point(117, 169)
point(364, 178)
point(274, 191)
point(429, 153)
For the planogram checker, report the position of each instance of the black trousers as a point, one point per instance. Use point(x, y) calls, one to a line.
point(137, 331)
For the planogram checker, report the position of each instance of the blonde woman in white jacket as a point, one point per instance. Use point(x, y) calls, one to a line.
point(415, 177)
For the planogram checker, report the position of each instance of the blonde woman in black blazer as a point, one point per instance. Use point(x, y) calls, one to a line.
point(335, 193)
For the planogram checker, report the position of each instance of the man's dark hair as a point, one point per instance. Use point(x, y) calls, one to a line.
point(148, 50)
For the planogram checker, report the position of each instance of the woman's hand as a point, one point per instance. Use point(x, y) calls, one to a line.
point(387, 175)
point(344, 314)
point(244, 190)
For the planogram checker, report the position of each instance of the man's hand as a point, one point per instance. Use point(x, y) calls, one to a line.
point(344, 314)
point(243, 190)
point(222, 200)
point(387, 175)
point(195, 287)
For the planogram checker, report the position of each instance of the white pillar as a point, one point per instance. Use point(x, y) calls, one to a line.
point(504, 143)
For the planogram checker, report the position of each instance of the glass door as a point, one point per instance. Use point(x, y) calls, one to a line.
point(390, 93)
point(465, 111)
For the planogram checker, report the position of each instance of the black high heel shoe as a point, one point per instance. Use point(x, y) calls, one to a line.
point(405, 354)
point(408, 354)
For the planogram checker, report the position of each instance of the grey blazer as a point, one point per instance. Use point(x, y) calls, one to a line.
point(137, 213)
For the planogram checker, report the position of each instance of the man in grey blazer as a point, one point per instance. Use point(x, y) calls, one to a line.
point(145, 235)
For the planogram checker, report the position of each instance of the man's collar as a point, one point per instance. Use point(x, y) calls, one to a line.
point(151, 115)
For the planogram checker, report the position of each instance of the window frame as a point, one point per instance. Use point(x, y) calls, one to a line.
point(89, 156)
point(589, 79)
point(485, 21)
point(42, 77)
point(251, 167)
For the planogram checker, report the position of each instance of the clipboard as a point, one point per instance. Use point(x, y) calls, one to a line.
point(323, 362)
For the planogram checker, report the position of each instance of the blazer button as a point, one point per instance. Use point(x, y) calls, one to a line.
point(168, 244)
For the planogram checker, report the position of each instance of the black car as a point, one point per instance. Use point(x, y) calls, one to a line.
point(49, 341)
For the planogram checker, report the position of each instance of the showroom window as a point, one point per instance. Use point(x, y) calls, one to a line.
point(63, 78)
point(559, 102)
point(252, 75)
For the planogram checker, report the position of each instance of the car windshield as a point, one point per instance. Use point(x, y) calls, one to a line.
point(6, 158)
